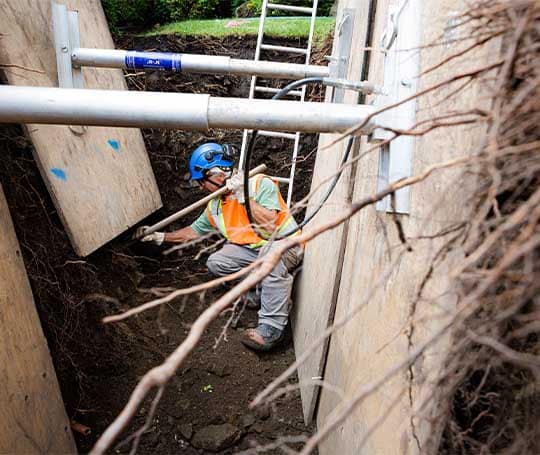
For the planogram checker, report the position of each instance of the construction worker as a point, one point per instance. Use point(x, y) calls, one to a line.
point(211, 167)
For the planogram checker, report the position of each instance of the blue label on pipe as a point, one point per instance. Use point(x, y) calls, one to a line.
point(155, 60)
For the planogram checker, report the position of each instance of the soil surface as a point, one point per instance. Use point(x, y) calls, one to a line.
point(205, 407)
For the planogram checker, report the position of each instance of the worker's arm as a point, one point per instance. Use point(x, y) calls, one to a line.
point(265, 218)
point(181, 235)
point(198, 228)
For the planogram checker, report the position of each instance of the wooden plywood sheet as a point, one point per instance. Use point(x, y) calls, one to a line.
point(100, 179)
point(32, 415)
point(382, 277)
point(315, 304)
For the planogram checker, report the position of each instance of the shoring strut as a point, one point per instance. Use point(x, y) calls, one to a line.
point(193, 63)
point(212, 64)
point(174, 110)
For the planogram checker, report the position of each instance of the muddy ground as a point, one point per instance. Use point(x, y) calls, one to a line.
point(205, 406)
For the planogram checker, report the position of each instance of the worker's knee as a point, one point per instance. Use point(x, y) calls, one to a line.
point(215, 264)
point(279, 272)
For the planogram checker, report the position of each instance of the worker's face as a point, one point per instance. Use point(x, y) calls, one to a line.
point(213, 182)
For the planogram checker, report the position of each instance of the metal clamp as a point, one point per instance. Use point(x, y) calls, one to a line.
point(389, 36)
point(364, 87)
point(341, 23)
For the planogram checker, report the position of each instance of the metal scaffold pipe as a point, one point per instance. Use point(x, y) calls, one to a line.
point(193, 63)
point(174, 110)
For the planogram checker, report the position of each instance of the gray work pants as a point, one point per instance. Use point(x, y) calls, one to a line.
point(275, 287)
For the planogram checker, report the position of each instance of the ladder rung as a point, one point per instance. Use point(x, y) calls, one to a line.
point(292, 50)
point(281, 179)
point(291, 136)
point(276, 90)
point(298, 9)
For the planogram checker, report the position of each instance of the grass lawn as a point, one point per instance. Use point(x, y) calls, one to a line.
point(290, 27)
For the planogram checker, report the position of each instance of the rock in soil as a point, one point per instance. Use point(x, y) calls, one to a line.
point(186, 430)
point(247, 420)
point(216, 437)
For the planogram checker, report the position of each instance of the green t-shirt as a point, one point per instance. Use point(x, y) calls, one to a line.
point(266, 196)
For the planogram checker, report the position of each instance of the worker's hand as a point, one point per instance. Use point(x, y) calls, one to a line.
point(156, 238)
point(236, 186)
point(139, 232)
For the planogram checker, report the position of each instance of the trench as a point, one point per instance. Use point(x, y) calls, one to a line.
point(98, 365)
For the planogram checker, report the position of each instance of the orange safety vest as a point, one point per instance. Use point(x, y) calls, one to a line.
point(230, 217)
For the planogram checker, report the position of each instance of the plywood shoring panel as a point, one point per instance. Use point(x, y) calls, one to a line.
point(381, 278)
point(317, 290)
point(32, 415)
point(100, 179)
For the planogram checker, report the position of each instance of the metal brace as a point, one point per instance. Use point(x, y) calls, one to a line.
point(340, 64)
point(66, 38)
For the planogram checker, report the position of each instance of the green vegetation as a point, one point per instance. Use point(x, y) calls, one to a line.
point(128, 12)
point(279, 27)
point(208, 388)
point(177, 10)
point(148, 13)
point(252, 8)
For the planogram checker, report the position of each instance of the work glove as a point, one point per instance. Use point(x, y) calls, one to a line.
point(236, 186)
point(156, 238)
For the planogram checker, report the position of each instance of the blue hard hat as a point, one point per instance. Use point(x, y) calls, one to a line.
point(209, 155)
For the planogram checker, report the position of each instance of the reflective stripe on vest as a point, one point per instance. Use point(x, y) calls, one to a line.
point(232, 221)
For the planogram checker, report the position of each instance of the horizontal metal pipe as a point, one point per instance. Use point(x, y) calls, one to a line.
point(173, 110)
point(103, 107)
point(277, 70)
point(359, 86)
point(193, 63)
point(287, 115)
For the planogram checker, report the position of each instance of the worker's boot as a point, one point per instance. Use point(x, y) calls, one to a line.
point(263, 338)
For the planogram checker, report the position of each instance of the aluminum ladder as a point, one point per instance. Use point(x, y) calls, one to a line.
point(298, 94)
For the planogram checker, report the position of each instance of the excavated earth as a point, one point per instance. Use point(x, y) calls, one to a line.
point(205, 406)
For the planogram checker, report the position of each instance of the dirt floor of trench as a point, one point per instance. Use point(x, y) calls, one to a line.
point(205, 406)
